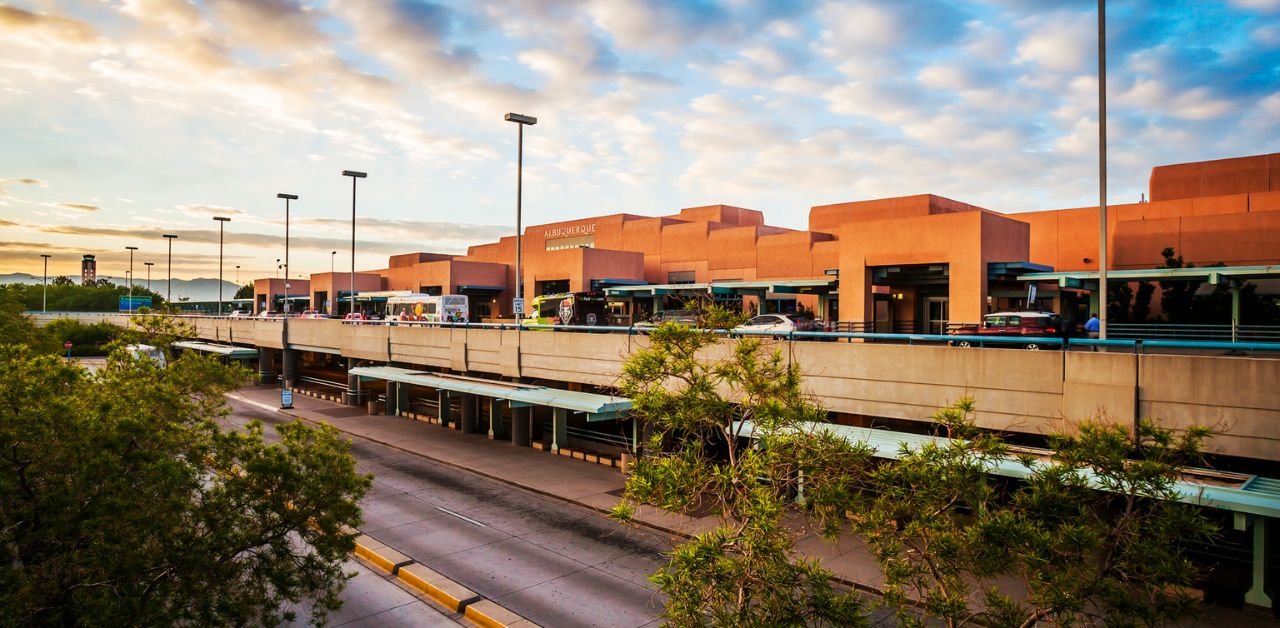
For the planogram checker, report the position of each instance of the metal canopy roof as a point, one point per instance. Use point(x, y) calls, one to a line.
point(1255, 496)
point(997, 271)
point(597, 407)
point(481, 289)
point(778, 286)
point(1211, 274)
point(231, 351)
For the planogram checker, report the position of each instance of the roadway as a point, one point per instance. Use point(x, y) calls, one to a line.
point(554, 563)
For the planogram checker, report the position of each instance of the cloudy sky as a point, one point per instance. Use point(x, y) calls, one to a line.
point(121, 120)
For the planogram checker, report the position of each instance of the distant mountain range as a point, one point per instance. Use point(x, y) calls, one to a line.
point(194, 289)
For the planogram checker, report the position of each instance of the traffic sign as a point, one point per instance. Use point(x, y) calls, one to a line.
point(517, 306)
point(67, 345)
point(286, 397)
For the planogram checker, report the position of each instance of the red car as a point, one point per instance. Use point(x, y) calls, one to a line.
point(1028, 325)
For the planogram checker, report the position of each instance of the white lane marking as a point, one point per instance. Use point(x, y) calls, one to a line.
point(467, 519)
point(264, 406)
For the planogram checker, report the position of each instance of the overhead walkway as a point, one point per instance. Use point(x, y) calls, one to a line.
point(231, 352)
point(519, 397)
point(1250, 498)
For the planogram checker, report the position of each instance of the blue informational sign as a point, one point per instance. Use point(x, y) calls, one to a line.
point(132, 304)
point(286, 397)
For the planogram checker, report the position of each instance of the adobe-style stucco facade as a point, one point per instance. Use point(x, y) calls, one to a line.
point(894, 257)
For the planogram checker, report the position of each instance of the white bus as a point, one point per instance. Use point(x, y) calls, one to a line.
point(424, 307)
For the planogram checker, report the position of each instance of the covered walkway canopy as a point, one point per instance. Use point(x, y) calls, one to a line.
point(521, 397)
point(597, 407)
point(229, 351)
point(776, 286)
point(1252, 499)
point(1209, 274)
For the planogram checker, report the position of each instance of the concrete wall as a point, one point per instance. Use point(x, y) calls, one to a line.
point(1033, 392)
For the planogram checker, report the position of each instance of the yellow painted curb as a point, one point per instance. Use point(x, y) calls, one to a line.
point(384, 557)
point(443, 590)
point(488, 614)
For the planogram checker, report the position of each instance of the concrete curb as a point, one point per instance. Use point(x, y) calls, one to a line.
point(446, 592)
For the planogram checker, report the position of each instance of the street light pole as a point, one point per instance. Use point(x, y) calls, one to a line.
point(354, 175)
point(333, 286)
point(131, 250)
point(44, 301)
point(287, 198)
point(149, 265)
point(521, 121)
point(222, 222)
point(169, 299)
point(1102, 169)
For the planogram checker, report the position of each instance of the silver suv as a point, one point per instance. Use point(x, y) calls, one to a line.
point(688, 318)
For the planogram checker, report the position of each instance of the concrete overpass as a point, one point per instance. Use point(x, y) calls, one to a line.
point(1033, 392)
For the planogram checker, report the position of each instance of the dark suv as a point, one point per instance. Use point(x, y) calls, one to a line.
point(1028, 325)
point(688, 318)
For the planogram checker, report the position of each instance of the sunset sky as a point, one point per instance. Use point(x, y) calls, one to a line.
point(121, 120)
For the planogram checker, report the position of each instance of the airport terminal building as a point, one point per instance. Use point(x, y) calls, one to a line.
point(904, 264)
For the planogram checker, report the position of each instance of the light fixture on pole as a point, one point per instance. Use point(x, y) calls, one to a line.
point(131, 250)
point(237, 277)
point(287, 198)
point(149, 265)
point(1102, 169)
point(222, 222)
point(44, 301)
point(354, 175)
point(169, 299)
point(521, 121)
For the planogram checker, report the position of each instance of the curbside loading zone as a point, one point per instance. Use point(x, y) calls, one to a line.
point(444, 591)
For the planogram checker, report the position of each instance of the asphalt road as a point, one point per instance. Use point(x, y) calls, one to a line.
point(554, 563)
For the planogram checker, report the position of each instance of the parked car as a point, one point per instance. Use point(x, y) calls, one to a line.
point(355, 316)
point(767, 323)
point(688, 318)
point(1028, 324)
point(240, 314)
point(313, 314)
point(270, 314)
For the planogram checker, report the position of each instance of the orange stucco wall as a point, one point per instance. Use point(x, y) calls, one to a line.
point(1224, 211)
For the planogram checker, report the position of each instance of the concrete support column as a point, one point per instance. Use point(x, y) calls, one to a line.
point(495, 419)
point(520, 426)
point(559, 429)
point(353, 385)
point(442, 397)
point(290, 367)
point(1257, 593)
point(392, 406)
point(470, 414)
point(1235, 312)
point(402, 398)
point(266, 366)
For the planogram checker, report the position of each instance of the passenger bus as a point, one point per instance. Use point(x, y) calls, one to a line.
point(570, 308)
point(429, 308)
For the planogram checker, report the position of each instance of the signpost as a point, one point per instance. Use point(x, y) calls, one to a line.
point(67, 345)
point(286, 398)
point(517, 306)
point(1031, 296)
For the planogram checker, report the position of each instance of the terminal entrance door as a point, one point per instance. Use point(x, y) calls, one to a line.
point(936, 315)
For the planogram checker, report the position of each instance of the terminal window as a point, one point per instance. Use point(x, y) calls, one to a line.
point(576, 242)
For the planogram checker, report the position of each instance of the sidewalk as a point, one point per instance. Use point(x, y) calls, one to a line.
point(590, 485)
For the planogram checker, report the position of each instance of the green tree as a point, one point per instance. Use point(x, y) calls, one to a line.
point(15, 325)
point(245, 292)
point(1093, 534)
point(745, 572)
point(122, 501)
point(85, 338)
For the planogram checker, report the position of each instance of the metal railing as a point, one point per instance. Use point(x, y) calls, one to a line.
point(1220, 333)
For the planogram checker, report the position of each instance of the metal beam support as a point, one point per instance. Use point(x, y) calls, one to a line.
point(1257, 593)
point(559, 429)
point(290, 367)
point(495, 419)
point(442, 398)
point(1235, 311)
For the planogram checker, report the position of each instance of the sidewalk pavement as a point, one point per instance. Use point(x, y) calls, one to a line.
point(590, 485)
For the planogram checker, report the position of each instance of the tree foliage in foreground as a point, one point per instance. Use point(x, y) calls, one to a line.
point(122, 500)
point(1091, 536)
point(746, 571)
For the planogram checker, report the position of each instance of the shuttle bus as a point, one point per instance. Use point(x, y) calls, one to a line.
point(443, 308)
point(575, 308)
